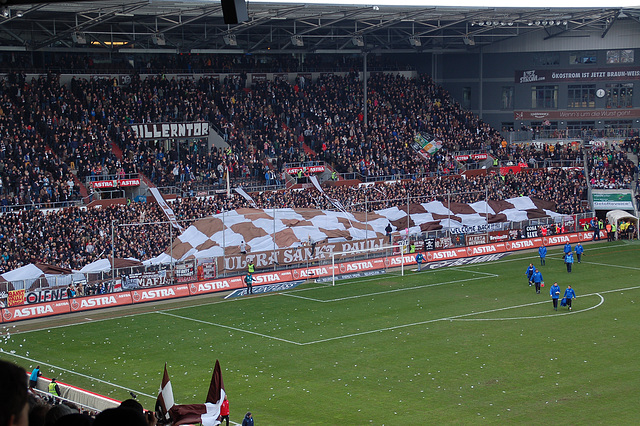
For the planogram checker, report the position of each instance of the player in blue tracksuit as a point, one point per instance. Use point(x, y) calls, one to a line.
point(542, 251)
point(568, 259)
point(554, 292)
point(537, 280)
point(567, 249)
point(419, 260)
point(569, 295)
point(579, 251)
point(529, 272)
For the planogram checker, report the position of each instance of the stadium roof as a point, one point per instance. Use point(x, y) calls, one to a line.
point(197, 26)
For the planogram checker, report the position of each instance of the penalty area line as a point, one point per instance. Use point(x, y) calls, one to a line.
point(241, 330)
point(377, 293)
point(461, 316)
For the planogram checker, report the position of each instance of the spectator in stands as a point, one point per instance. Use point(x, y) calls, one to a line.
point(13, 395)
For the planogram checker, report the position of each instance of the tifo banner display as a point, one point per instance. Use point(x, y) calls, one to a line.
point(498, 236)
point(531, 231)
point(476, 240)
point(46, 295)
point(305, 253)
point(585, 221)
point(168, 211)
point(438, 258)
point(144, 279)
point(194, 129)
point(206, 269)
point(612, 200)
point(186, 271)
point(196, 270)
point(16, 297)
point(427, 143)
point(429, 244)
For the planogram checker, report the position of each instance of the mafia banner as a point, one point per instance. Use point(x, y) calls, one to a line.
point(194, 129)
point(572, 75)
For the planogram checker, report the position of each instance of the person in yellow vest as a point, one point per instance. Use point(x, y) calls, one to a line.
point(614, 229)
point(251, 268)
point(54, 389)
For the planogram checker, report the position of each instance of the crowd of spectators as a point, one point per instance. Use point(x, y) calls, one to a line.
point(55, 136)
point(70, 129)
point(540, 154)
point(610, 168)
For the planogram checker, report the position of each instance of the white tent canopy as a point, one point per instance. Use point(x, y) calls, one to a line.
point(618, 216)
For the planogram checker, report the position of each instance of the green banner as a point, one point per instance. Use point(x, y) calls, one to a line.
point(612, 200)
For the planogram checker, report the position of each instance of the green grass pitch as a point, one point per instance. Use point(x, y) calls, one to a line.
point(459, 345)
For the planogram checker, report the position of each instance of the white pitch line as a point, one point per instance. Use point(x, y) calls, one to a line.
point(465, 268)
point(469, 314)
point(78, 374)
point(391, 291)
point(613, 266)
point(395, 290)
point(229, 327)
point(301, 297)
point(537, 316)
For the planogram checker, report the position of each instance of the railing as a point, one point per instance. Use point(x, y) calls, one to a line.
point(398, 176)
point(193, 190)
point(55, 400)
point(582, 134)
point(40, 206)
point(303, 164)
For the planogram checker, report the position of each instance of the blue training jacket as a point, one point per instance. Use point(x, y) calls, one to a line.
point(554, 291)
point(568, 258)
point(537, 277)
point(542, 251)
point(579, 249)
point(567, 248)
point(530, 271)
point(569, 293)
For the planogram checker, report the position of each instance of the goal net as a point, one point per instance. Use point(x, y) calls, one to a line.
point(367, 262)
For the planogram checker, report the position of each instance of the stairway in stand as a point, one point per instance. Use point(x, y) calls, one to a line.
point(116, 150)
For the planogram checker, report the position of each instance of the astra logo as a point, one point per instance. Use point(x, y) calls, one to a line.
point(474, 251)
point(514, 245)
point(29, 311)
point(98, 301)
point(217, 285)
point(162, 292)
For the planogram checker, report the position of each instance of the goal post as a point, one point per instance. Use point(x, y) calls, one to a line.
point(362, 262)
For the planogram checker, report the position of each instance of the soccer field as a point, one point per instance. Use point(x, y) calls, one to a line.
point(470, 344)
